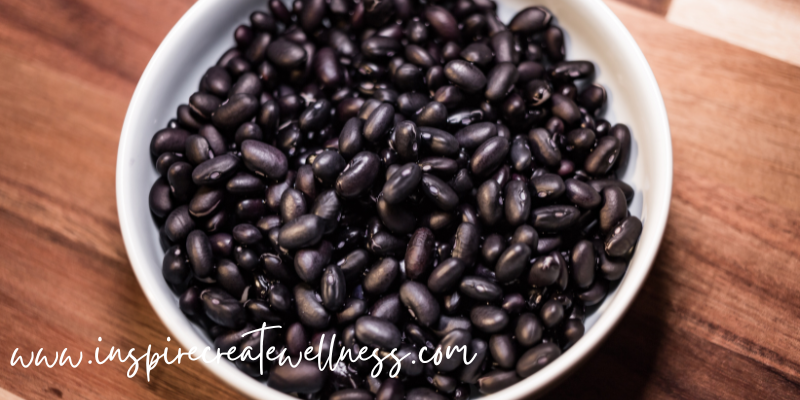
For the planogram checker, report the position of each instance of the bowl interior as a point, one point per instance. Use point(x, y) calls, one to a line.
point(205, 32)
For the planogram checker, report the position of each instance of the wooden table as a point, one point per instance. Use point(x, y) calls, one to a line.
point(718, 317)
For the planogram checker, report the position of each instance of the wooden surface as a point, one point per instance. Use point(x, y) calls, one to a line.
point(717, 318)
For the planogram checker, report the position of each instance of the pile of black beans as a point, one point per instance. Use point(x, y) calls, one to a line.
point(404, 175)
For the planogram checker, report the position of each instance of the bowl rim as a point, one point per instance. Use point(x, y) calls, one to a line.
point(539, 382)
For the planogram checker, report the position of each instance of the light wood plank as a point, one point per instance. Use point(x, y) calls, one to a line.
point(768, 27)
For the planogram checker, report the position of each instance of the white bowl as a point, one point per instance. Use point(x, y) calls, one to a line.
point(593, 33)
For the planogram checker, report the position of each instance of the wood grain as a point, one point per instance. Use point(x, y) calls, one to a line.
point(765, 26)
point(660, 7)
point(718, 317)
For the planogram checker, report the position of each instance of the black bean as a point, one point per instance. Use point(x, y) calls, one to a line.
point(439, 192)
point(379, 122)
point(582, 260)
point(545, 270)
point(564, 108)
point(385, 244)
point(175, 267)
point(387, 307)
point(603, 157)
point(581, 194)
point(179, 223)
point(543, 147)
point(477, 53)
point(432, 114)
point(391, 389)
point(621, 240)
point(512, 262)
point(300, 232)
point(378, 47)
point(304, 377)
point(406, 140)
point(419, 254)
point(455, 342)
point(528, 71)
point(623, 135)
point(528, 330)
point(552, 313)
point(420, 302)
point(376, 332)
point(501, 80)
point(573, 330)
point(489, 202)
point(423, 393)
point(442, 22)
point(572, 70)
point(435, 78)
point(419, 56)
point(496, 380)
point(488, 156)
point(381, 276)
point(358, 175)
point(502, 350)
point(292, 205)
point(474, 135)
point(517, 202)
point(480, 289)
point(446, 275)
point(554, 44)
point(489, 319)
point(537, 358)
point(493, 246)
point(351, 310)
point(554, 218)
point(478, 349)
point(530, 20)
point(222, 308)
point(286, 54)
point(465, 75)
point(351, 394)
point(264, 159)
point(610, 269)
point(309, 307)
point(309, 263)
point(315, 116)
point(504, 49)
point(467, 243)
point(547, 186)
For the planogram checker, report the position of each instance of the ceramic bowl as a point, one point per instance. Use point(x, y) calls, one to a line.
point(593, 33)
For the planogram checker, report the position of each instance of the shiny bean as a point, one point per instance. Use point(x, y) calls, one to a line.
point(480, 289)
point(582, 260)
point(419, 254)
point(381, 276)
point(446, 275)
point(489, 155)
point(537, 358)
point(581, 194)
point(455, 339)
point(554, 218)
point(489, 319)
point(286, 54)
point(358, 175)
point(621, 240)
point(309, 307)
point(530, 20)
point(496, 380)
point(304, 377)
point(512, 262)
point(517, 202)
point(376, 332)
point(420, 302)
point(545, 270)
point(603, 157)
point(465, 75)
point(300, 232)
point(222, 308)
point(543, 147)
point(387, 307)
